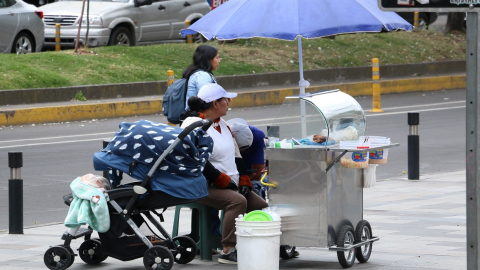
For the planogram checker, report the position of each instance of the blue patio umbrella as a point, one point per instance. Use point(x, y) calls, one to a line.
point(289, 19)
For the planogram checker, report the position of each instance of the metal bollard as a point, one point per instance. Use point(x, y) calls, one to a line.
point(170, 80)
point(57, 37)
point(170, 77)
point(15, 193)
point(415, 19)
point(189, 37)
point(376, 86)
point(413, 147)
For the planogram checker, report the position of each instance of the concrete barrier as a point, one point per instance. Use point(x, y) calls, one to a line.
point(262, 80)
point(244, 99)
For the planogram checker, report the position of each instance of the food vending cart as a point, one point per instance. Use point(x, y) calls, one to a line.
point(317, 189)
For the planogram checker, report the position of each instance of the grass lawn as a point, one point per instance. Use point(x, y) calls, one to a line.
point(105, 65)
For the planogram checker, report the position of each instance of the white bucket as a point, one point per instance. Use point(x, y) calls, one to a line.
point(258, 244)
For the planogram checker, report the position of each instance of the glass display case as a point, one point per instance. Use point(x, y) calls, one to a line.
point(332, 114)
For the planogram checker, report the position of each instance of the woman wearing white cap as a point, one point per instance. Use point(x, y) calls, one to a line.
point(225, 170)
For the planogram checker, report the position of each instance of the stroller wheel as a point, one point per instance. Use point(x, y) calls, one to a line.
point(90, 252)
point(158, 258)
point(186, 249)
point(71, 253)
point(104, 256)
point(58, 257)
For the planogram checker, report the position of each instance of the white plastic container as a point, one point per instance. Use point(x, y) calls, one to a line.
point(354, 160)
point(258, 244)
point(369, 176)
point(378, 156)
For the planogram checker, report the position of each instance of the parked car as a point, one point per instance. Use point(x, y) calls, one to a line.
point(21, 27)
point(424, 18)
point(122, 22)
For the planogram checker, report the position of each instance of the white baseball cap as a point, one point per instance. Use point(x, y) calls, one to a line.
point(212, 91)
point(242, 133)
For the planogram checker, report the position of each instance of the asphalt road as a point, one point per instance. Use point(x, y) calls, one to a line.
point(55, 154)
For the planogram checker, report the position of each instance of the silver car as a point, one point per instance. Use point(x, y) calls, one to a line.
point(21, 27)
point(121, 22)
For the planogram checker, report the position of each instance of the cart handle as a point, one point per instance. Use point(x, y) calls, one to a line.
point(267, 184)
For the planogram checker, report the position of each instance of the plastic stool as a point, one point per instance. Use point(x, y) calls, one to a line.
point(201, 228)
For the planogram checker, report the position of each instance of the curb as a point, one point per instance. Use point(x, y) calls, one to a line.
point(269, 80)
point(36, 115)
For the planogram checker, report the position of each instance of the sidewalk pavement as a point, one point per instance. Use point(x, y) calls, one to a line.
point(421, 225)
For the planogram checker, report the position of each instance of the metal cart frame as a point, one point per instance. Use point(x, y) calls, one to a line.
point(319, 201)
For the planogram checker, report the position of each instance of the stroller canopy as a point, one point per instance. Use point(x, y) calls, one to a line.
point(136, 146)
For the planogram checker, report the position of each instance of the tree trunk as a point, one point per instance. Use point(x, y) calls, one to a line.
point(455, 22)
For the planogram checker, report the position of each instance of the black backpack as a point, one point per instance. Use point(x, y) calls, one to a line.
point(174, 100)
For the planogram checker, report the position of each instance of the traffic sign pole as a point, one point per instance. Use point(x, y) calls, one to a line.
point(472, 107)
point(473, 141)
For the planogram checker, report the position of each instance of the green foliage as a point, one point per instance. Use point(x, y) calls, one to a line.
point(79, 97)
point(120, 64)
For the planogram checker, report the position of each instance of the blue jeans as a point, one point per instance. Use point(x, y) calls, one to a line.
point(260, 189)
point(215, 222)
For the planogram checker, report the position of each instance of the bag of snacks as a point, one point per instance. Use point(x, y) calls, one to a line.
point(354, 159)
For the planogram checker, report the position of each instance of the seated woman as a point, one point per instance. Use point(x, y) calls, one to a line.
point(225, 170)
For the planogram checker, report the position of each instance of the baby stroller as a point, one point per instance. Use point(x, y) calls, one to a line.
point(174, 178)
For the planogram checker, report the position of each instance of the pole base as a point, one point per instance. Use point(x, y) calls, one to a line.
point(376, 110)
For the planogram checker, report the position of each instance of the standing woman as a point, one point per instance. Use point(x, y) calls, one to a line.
point(199, 73)
point(225, 170)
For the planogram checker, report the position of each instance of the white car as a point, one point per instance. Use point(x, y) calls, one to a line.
point(21, 27)
point(121, 22)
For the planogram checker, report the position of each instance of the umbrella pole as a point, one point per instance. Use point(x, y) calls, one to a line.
point(302, 84)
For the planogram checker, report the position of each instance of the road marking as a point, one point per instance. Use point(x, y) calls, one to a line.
point(425, 110)
point(59, 137)
point(425, 105)
point(367, 114)
point(260, 121)
point(36, 144)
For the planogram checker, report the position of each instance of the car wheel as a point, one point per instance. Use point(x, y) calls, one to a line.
point(423, 22)
point(198, 38)
point(23, 43)
point(121, 36)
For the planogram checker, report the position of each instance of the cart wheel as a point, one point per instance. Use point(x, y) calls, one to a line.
point(363, 232)
point(58, 257)
point(90, 252)
point(345, 239)
point(158, 258)
point(186, 248)
point(288, 252)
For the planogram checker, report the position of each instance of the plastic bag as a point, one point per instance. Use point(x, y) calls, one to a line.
point(272, 211)
point(354, 160)
point(349, 133)
point(369, 176)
